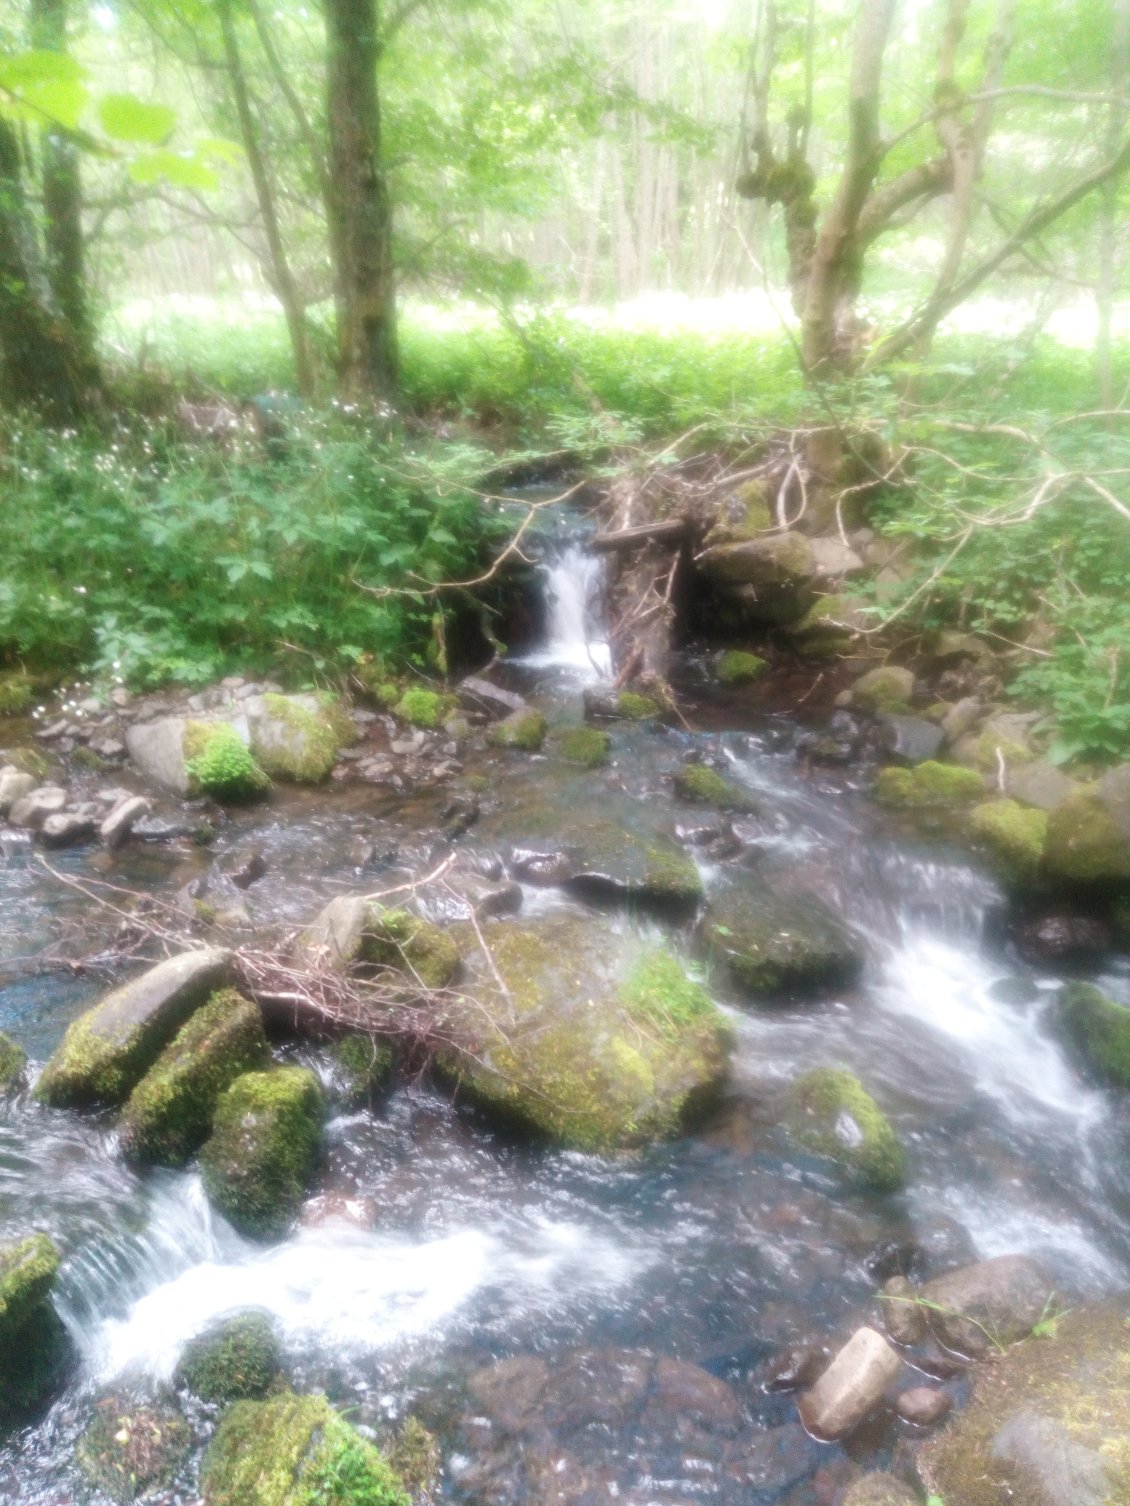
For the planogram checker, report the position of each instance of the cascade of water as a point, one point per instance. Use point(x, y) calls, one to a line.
point(573, 580)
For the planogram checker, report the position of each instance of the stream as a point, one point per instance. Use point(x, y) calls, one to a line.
point(436, 1244)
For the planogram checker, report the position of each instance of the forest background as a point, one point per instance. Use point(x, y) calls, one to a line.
point(280, 284)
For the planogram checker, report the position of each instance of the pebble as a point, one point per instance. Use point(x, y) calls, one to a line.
point(923, 1406)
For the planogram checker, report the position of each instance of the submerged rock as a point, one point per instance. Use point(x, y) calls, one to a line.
point(700, 785)
point(603, 860)
point(776, 945)
point(597, 1040)
point(1098, 1031)
point(1048, 1423)
point(232, 1361)
point(523, 729)
point(621, 705)
point(982, 1308)
point(831, 1113)
point(1088, 839)
point(169, 1113)
point(851, 1387)
point(294, 1451)
point(265, 1143)
point(129, 1449)
point(106, 1051)
point(33, 1345)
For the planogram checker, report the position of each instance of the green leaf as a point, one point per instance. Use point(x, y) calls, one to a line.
point(127, 118)
point(182, 170)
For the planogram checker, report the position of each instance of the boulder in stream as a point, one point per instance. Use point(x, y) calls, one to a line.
point(604, 860)
point(980, 1309)
point(293, 1450)
point(700, 785)
point(831, 1113)
point(852, 1386)
point(1048, 1423)
point(780, 946)
point(106, 1051)
point(33, 1345)
point(13, 1064)
point(1098, 1031)
point(524, 730)
point(353, 932)
point(265, 1143)
point(1013, 836)
point(587, 747)
point(298, 737)
point(234, 1360)
point(129, 1450)
point(594, 1038)
point(1088, 839)
point(169, 1113)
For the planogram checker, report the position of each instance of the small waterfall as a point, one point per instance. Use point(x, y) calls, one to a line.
point(574, 581)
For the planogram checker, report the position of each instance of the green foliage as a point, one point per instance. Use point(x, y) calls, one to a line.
point(223, 766)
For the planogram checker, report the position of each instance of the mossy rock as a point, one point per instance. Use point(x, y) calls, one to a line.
point(354, 933)
point(129, 1449)
point(17, 695)
point(989, 750)
point(586, 747)
point(1098, 1031)
point(743, 515)
point(27, 1274)
point(235, 1360)
point(415, 1457)
point(621, 706)
point(736, 667)
point(34, 1348)
point(298, 737)
point(1013, 836)
point(524, 730)
point(699, 785)
point(107, 1051)
point(1085, 843)
point(169, 1114)
point(612, 862)
point(264, 1147)
point(928, 786)
point(778, 946)
point(1048, 1421)
point(362, 1067)
point(421, 708)
point(830, 628)
point(832, 1114)
point(219, 763)
point(598, 1041)
point(887, 688)
point(295, 1451)
point(880, 1490)
point(13, 1064)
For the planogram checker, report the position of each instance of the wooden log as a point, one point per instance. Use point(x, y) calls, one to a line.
point(670, 530)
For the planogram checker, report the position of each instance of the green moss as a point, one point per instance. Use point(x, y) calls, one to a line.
point(658, 992)
point(396, 939)
point(1084, 842)
point(16, 695)
point(128, 1449)
point(295, 1451)
point(780, 946)
point(235, 1360)
point(308, 751)
point(169, 1113)
point(414, 1456)
point(220, 763)
point(27, 1273)
point(264, 1147)
point(362, 1067)
point(1098, 1029)
point(523, 729)
point(420, 707)
point(737, 668)
point(1014, 836)
point(633, 707)
point(833, 1115)
point(586, 746)
point(13, 1062)
point(928, 785)
point(986, 752)
point(887, 688)
point(702, 786)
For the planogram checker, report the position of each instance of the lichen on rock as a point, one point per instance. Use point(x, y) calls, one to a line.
point(831, 1113)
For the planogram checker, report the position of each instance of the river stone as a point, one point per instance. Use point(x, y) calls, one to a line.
point(923, 1405)
point(477, 694)
point(831, 1113)
point(851, 1387)
point(292, 1451)
point(980, 1308)
point(524, 730)
point(903, 1318)
point(772, 577)
point(353, 932)
point(33, 1345)
point(169, 1114)
point(887, 688)
point(116, 827)
point(298, 737)
point(128, 1450)
point(30, 811)
point(265, 1142)
point(601, 860)
point(106, 1051)
point(67, 829)
point(880, 1490)
point(598, 1040)
point(1098, 1031)
point(1048, 1423)
point(780, 945)
point(14, 785)
point(157, 749)
point(909, 739)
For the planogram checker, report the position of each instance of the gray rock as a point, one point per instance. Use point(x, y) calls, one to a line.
point(833, 560)
point(1053, 1469)
point(117, 826)
point(773, 576)
point(32, 810)
point(779, 945)
point(923, 1405)
point(851, 1387)
point(902, 1316)
point(1040, 784)
point(157, 749)
point(477, 694)
point(983, 1307)
point(910, 739)
point(67, 829)
point(1114, 790)
point(108, 747)
point(14, 785)
point(297, 737)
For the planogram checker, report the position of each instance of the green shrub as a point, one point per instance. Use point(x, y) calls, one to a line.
point(223, 766)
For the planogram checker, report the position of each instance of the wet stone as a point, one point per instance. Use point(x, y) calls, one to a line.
point(902, 1316)
point(851, 1387)
point(923, 1405)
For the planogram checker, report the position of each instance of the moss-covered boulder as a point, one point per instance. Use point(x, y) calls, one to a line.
point(129, 1449)
point(106, 1051)
point(218, 762)
point(294, 1451)
point(734, 666)
point(421, 708)
point(1087, 842)
point(929, 786)
point(234, 1360)
point(355, 933)
point(298, 737)
point(880, 1490)
point(830, 628)
point(780, 946)
point(34, 1349)
point(1013, 836)
point(607, 861)
point(831, 1113)
point(587, 747)
point(745, 513)
point(13, 1064)
point(621, 706)
point(169, 1113)
point(524, 730)
point(596, 1039)
point(1097, 1030)
point(887, 688)
point(265, 1143)
point(700, 785)
point(361, 1067)
point(1048, 1423)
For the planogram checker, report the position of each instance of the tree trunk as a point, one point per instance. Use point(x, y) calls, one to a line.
point(359, 205)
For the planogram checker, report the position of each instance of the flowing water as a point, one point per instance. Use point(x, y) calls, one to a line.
point(439, 1245)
